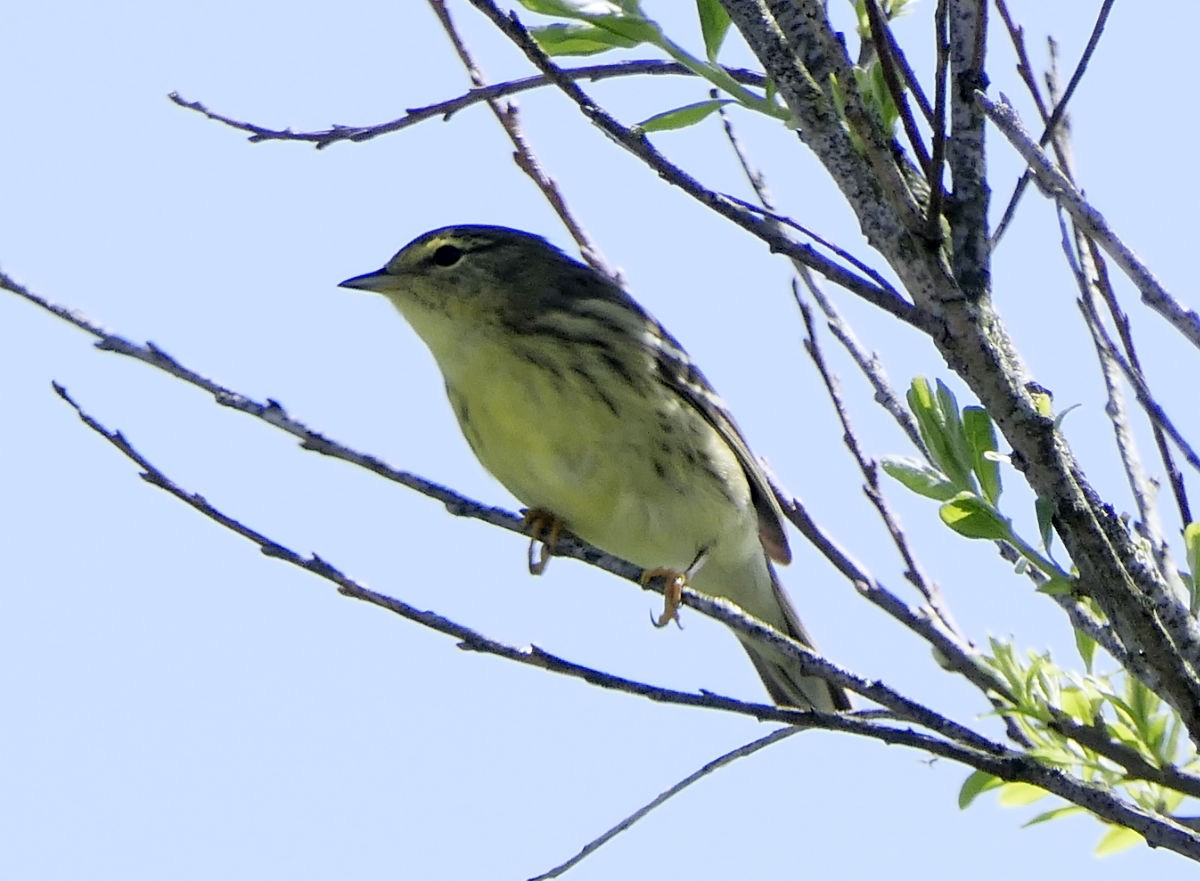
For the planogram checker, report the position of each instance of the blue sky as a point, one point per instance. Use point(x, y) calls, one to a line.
point(178, 705)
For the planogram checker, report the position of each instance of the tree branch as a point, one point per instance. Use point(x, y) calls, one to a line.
point(445, 109)
point(1059, 187)
point(955, 743)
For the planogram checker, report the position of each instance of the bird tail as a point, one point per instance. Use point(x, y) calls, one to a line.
point(784, 681)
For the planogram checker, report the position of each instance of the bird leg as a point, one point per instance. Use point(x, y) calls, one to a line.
point(543, 527)
point(672, 593)
point(676, 581)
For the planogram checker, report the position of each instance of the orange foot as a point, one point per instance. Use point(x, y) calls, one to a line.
point(543, 527)
point(672, 593)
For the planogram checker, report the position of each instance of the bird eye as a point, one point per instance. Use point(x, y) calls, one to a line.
point(447, 255)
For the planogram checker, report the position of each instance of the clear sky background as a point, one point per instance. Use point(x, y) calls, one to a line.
point(176, 705)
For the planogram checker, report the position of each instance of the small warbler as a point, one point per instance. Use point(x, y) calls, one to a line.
point(590, 413)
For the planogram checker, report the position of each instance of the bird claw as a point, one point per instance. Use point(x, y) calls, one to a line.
point(672, 594)
point(544, 529)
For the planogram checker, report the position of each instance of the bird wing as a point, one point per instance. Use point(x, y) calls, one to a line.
point(684, 377)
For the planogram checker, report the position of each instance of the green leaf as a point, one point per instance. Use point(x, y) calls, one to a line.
point(567, 9)
point(981, 439)
point(1117, 839)
point(1086, 647)
point(1056, 586)
point(1053, 815)
point(969, 515)
point(1142, 701)
point(955, 432)
point(1018, 794)
point(975, 785)
point(635, 28)
point(1078, 704)
point(876, 95)
point(941, 429)
point(682, 117)
point(623, 20)
point(1044, 512)
point(1191, 542)
point(714, 25)
point(578, 39)
point(919, 476)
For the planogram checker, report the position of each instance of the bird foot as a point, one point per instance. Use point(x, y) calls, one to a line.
point(543, 528)
point(672, 593)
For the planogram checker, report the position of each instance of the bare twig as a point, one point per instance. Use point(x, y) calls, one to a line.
point(885, 48)
point(934, 623)
point(936, 173)
point(870, 365)
point(1026, 72)
point(868, 467)
point(1059, 186)
point(754, 177)
point(911, 80)
point(1091, 274)
point(1091, 258)
point(1147, 400)
point(509, 117)
point(1125, 332)
point(861, 265)
point(945, 635)
point(445, 109)
point(641, 813)
point(963, 745)
point(637, 144)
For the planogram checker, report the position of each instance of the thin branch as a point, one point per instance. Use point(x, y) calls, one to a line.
point(509, 117)
point(1125, 332)
point(1144, 496)
point(1099, 739)
point(967, 203)
point(1091, 273)
point(1090, 257)
point(468, 638)
point(891, 78)
point(638, 144)
point(274, 414)
point(870, 365)
point(911, 80)
point(934, 623)
point(937, 194)
point(663, 797)
point(862, 266)
point(754, 176)
point(445, 109)
point(719, 609)
point(633, 141)
point(1060, 108)
point(1091, 262)
point(867, 467)
point(969, 749)
point(1059, 187)
point(1147, 401)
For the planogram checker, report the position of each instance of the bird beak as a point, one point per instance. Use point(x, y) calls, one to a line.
point(372, 281)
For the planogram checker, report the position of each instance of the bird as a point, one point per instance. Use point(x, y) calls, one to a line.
point(592, 415)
